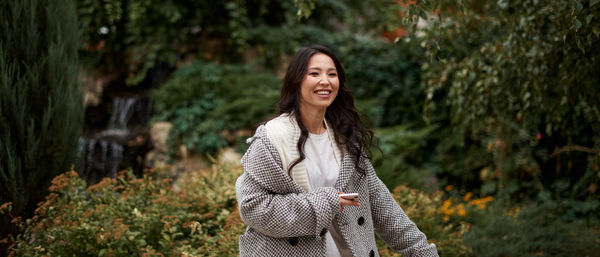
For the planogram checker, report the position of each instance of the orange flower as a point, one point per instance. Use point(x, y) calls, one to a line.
point(448, 187)
point(467, 196)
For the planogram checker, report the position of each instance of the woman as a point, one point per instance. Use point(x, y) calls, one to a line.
point(300, 161)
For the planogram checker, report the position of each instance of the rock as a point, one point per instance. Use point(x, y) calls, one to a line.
point(229, 155)
point(159, 133)
point(193, 162)
point(93, 86)
point(154, 159)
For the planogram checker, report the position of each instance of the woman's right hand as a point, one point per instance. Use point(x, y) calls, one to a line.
point(346, 202)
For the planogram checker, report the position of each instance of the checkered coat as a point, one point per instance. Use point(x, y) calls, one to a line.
point(285, 220)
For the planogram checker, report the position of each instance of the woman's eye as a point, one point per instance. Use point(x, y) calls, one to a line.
point(332, 74)
point(314, 74)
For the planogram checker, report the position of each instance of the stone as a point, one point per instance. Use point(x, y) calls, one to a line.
point(159, 133)
point(229, 155)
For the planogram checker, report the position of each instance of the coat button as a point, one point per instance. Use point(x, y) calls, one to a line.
point(293, 241)
point(323, 232)
point(361, 221)
point(372, 253)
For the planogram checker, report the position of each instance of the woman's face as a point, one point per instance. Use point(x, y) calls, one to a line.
point(320, 83)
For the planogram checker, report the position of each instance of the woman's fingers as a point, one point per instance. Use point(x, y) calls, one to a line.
point(346, 202)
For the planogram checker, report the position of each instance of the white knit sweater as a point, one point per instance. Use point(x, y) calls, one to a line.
point(284, 133)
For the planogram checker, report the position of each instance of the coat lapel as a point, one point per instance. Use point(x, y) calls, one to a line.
point(346, 170)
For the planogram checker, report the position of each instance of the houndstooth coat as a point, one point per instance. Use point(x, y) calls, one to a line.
point(285, 220)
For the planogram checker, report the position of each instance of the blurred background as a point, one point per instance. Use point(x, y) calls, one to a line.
point(123, 122)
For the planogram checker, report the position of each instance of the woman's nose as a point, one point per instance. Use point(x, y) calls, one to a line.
point(324, 81)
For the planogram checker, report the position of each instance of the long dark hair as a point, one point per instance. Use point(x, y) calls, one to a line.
point(343, 117)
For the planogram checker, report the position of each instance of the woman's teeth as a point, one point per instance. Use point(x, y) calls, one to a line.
point(323, 92)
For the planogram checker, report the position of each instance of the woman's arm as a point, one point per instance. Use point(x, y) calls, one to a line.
point(280, 214)
point(392, 224)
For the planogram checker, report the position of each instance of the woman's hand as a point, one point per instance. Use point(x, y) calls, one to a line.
point(346, 202)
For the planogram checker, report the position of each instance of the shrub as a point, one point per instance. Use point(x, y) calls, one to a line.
point(410, 164)
point(533, 229)
point(40, 101)
point(518, 80)
point(131, 37)
point(204, 99)
point(424, 211)
point(195, 216)
point(136, 216)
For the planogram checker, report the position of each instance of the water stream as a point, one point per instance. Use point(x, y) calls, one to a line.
point(102, 153)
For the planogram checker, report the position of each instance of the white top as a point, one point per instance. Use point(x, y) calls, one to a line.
point(284, 132)
point(321, 165)
point(323, 171)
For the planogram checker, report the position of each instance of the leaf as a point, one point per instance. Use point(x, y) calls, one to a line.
point(577, 24)
point(589, 18)
point(578, 6)
point(596, 30)
point(593, 2)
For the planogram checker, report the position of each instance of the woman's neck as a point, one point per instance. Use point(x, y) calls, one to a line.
point(313, 119)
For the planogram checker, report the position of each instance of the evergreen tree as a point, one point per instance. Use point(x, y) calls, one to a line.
point(41, 111)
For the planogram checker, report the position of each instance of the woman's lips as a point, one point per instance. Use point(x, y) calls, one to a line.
point(323, 93)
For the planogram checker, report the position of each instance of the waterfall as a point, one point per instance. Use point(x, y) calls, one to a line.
point(101, 153)
point(101, 159)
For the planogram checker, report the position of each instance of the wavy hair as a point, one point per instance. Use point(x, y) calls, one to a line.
point(346, 122)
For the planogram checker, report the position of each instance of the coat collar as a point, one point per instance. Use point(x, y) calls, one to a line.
point(299, 173)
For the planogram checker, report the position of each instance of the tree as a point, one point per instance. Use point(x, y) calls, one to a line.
point(41, 106)
point(520, 80)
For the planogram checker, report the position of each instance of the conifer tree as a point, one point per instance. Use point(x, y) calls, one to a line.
point(41, 111)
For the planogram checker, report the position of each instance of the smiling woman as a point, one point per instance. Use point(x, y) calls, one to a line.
point(299, 163)
point(319, 88)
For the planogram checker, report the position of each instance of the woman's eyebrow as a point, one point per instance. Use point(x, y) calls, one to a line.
point(317, 68)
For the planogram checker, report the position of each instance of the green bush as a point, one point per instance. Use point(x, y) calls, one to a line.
point(205, 99)
point(149, 216)
point(518, 80)
point(129, 38)
point(195, 216)
point(426, 212)
point(404, 157)
point(41, 112)
point(531, 230)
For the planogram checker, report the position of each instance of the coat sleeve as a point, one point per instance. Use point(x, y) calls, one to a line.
point(392, 224)
point(280, 214)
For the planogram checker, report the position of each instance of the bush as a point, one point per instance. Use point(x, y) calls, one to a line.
point(40, 101)
point(425, 211)
point(205, 99)
point(533, 229)
point(131, 37)
point(195, 216)
point(410, 164)
point(518, 80)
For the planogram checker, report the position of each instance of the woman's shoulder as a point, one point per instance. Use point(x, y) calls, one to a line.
point(280, 127)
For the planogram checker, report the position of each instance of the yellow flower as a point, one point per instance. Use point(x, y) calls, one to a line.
point(467, 196)
point(446, 218)
point(461, 210)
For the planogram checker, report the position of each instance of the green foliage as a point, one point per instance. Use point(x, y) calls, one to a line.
point(403, 156)
point(41, 103)
point(149, 216)
point(195, 216)
point(134, 36)
point(533, 230)
point(425, 211)
point(205, 99)
point(517, 80)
